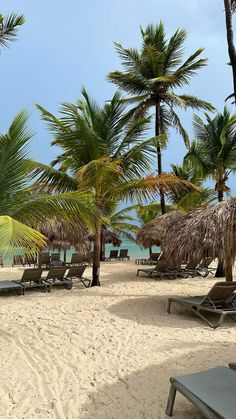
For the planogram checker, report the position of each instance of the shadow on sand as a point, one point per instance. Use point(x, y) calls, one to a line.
point(143, 394)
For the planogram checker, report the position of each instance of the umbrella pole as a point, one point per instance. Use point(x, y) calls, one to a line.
point(65, 255)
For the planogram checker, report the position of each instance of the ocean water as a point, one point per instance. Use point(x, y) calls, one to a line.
point(134, 251)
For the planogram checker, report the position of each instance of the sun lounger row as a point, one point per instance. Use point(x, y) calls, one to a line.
point(114, 255)
point(47, 260)
point(163, 270)
point(33, 278)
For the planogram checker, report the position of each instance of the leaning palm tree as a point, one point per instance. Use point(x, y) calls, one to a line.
point(153, 77)
point(9, 28)
point(230, 7)
point(213, 153)
point(103, 154)
point(22, 208)
point(191, 199)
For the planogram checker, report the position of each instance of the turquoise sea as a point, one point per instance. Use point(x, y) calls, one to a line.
point(135, 251)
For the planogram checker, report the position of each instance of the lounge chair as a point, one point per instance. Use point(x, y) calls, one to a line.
point(30, 260)
point(32, 278)
point(219, 300)
point(10, 286)
point(202, 269)
point(76, 272)
point(150, 261)
point(124, 255)
point(113, 255)
point(55, 260)
point(56, 276)
point(211, 391)
point(44, 259)
point(75, 259)
point(162, 270)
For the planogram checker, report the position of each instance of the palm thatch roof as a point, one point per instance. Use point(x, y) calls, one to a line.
point(207, 232)
point(63, 235)
point(152, 233)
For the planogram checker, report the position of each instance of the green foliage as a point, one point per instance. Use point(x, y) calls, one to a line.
point(9, 28)
point(23, 207)
point(153, 75)
point(213, 153)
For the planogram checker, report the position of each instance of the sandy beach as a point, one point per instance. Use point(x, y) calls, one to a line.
point(104, 353)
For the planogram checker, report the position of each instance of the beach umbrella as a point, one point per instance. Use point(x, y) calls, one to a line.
point(152, 233)
point(63, 235)
point(205, 232)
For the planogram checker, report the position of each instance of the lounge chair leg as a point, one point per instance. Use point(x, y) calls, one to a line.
point(222, 317)
point(203, 318)
point(171, 401)
point(168, 306)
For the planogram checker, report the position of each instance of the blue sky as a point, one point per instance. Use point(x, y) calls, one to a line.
point(67, 44)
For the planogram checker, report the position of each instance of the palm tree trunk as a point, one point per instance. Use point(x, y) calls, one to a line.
point(159, 156)
point(230, 40)
point(102, 245)
point(220, 196)
point(96, 257)
point(228, 269)
point(220, 271)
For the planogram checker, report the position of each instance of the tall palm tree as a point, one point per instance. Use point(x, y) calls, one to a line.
point(103, 154)
point(213, 153)
point(22, 208)
point(9, 28)
point(230, 7)
point(153, 77)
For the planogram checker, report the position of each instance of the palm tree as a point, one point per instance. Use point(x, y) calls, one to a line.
point(189, 200)
point(22, 208)
point(213, 153)
point(230, 7)
point(103, 154)
point(153, 76)
point(9, 28)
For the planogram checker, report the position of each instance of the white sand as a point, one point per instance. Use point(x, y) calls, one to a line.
point(104, 353)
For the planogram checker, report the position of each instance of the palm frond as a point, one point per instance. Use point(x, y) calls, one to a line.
point(16, 237)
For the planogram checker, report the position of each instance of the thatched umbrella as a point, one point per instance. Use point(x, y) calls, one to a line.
point(152, 233)
point(63, 235)
point(207, 232)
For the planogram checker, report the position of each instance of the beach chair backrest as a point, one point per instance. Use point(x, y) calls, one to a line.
point(123, 253)
point(56, 273)
point(32, 275)
point(113, 254)
point(205, 263)
point(76, 272)
point(221, 292)
point(161, 264)
point(55, 257)
point(154, 256)
point(44, 258)
point(75, 258)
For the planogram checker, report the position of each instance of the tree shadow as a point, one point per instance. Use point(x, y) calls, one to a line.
point(143, 394)
point(152, 310)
